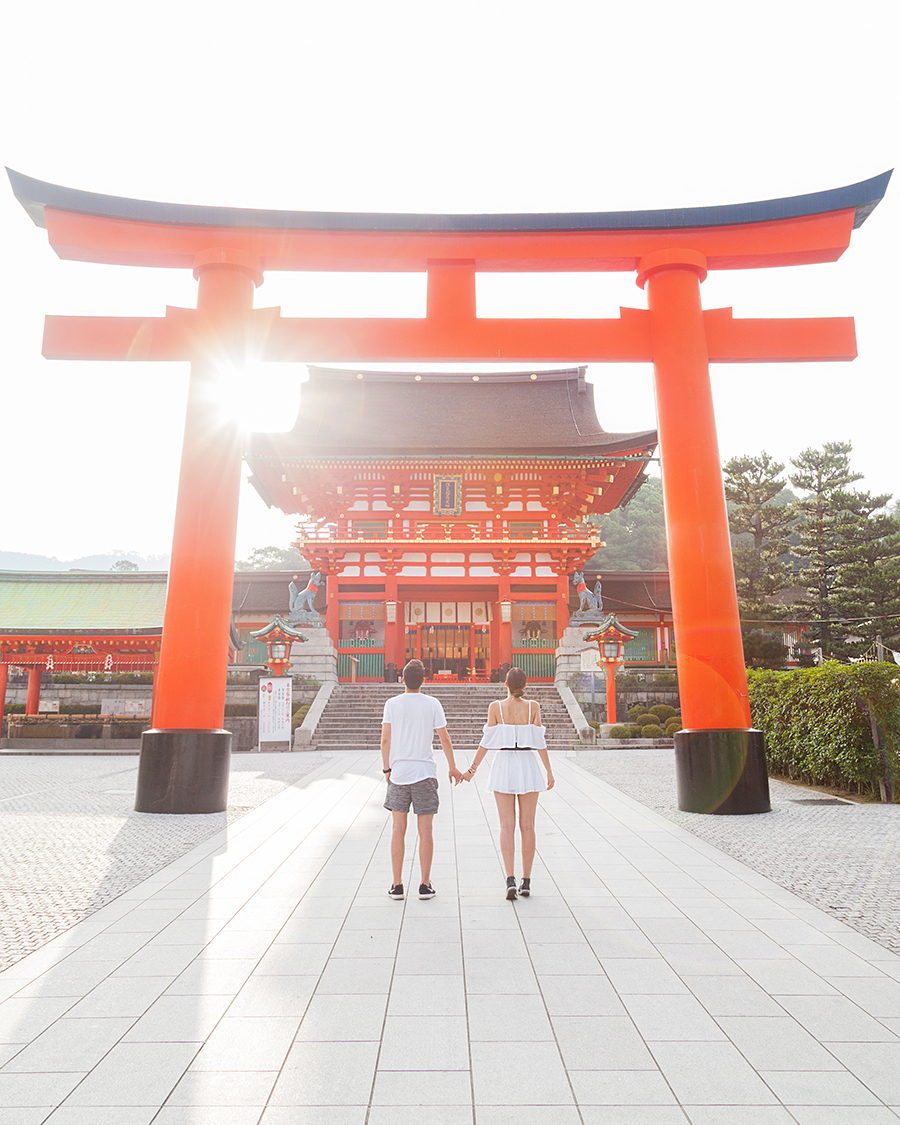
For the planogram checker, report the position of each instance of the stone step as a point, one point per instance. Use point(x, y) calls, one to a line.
point(358, 708)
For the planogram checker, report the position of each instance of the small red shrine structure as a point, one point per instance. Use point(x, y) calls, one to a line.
point(184, 759)
point(447, 511)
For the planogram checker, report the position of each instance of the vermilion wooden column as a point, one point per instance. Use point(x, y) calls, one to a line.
point(392, 628)
point(562, 606)
point(332, 609)
point(33, 698)
point(720, 760)
point(4, 679)
point(504, 635)
point(185, 757)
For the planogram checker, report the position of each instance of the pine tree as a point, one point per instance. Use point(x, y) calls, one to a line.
point(867, 585)
point(635, 535)
point(760, 517)
point(830, 514)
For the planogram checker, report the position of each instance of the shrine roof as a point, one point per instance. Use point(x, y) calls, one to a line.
point(493, 414)
point(35, 195)
point(81, 602)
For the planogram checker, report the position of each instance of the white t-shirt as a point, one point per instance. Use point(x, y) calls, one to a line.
point(413, 719)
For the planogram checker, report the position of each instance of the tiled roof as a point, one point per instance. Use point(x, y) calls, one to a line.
point(347, 413)
point(85, 601)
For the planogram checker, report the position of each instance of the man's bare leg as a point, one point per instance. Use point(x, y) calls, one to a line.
point(426, 845)
point(398, 843)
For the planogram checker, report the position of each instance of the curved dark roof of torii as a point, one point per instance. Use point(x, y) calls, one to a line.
point(439, 414)
point(35, 195)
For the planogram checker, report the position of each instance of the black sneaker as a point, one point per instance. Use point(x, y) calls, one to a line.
point(397, 892)
point(525, 889)
point(426, 891)
point(511, 888)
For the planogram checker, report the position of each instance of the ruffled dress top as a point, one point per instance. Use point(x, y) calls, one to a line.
point(516, 767)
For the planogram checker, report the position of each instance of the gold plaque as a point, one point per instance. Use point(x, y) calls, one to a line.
point(448, 495)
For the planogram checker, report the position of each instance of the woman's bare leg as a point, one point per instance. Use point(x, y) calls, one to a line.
point(527, 810)
point(506, 808)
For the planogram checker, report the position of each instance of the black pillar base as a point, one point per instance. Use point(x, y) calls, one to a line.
point(721, 771)
point(183, 771)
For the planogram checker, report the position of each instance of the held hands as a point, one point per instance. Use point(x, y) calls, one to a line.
point(469, 774)
point(455, 776)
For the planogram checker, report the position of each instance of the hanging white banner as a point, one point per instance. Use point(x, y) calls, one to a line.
point(275, 709)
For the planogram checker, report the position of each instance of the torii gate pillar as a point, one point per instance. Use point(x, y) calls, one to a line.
point(720, 759)
point(185, 758)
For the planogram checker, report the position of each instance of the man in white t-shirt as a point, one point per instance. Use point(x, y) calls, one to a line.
point(407, 750)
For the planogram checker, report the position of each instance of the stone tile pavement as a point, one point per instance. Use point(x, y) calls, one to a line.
point(70, 840)
point(842, 856)
point(264, 977)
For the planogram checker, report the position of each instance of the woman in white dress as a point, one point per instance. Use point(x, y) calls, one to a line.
point(513, 729)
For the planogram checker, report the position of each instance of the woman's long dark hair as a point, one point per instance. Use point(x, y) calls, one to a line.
point(516, 681)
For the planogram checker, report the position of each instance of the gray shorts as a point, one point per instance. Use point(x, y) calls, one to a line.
point(423, 795)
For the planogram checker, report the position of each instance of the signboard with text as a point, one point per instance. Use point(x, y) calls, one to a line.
point(275, 709)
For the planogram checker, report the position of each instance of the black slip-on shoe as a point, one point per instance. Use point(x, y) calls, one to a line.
point(511, 888)
point(397, 892)
point(525, 888)
point(426, 892)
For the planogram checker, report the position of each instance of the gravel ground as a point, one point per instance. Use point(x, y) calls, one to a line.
point(841, 856)
point(70, 840)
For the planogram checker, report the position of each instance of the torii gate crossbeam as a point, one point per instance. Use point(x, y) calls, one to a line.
point(721, 764)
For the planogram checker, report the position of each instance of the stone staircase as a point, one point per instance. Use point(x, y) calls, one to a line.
point(352, 717)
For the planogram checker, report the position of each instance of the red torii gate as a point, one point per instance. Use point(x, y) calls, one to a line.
point(184, 762)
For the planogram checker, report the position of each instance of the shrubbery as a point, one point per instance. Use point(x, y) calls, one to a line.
point(299, 715)
point(663, 711)
point(620, 732)
point(652, 730)
point(240, 710)
point(819, 723)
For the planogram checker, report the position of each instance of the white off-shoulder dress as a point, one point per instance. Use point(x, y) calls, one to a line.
point(516, 767)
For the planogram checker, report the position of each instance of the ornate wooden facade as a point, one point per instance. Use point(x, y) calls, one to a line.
point(447, 512)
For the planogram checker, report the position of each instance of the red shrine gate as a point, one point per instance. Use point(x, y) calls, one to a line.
point(184, 763)
point(447, 511)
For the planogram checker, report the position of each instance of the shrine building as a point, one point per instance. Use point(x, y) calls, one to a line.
point(446, 513)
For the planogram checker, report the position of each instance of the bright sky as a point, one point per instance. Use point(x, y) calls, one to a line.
point(466, 106)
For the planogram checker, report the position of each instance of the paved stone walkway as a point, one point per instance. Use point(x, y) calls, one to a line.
point(264, 978)
point(839, 855)
point(70, 840)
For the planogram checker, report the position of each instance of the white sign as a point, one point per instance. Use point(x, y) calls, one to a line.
point(125, 706)
point(51, 705)
point(275, 709)
point(590, 660)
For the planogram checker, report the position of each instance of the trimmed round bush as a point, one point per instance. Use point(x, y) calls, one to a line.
point(299, 715)
point(635, 731)
point(620, 732)
point(651, 730)
point(673, 725)
point(636, 709)
point(663, 711)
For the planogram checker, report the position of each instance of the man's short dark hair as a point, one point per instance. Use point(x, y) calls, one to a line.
point(414, 674)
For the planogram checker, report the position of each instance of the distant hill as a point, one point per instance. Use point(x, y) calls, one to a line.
point(18, 560)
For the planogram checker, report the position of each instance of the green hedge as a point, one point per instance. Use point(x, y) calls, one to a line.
point(817, 723)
